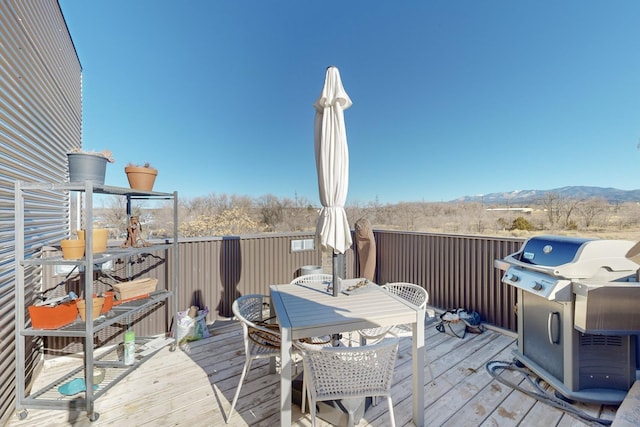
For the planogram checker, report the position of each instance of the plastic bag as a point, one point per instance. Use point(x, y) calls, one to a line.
point(451, 324)
point(192, 328)
point(458, 322)
point(474, 325)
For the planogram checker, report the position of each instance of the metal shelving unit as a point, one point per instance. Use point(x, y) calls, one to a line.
point(48, 397)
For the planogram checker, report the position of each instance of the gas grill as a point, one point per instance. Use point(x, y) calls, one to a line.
point(578, 314)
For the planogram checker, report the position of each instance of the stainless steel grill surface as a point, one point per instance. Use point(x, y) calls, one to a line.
point(578, 316)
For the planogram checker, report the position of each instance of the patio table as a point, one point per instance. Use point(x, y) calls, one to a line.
point(310, 310)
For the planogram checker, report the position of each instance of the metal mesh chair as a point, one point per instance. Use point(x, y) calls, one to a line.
point(411, 293)
point(261, 338)
point(317, 278)
point(313, 278)
point(416, 295)
point(348, 374)
point(261, 335)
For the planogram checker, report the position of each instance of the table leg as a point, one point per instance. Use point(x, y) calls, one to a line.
point(285, 377)
point(417, 362)
point(273, 363)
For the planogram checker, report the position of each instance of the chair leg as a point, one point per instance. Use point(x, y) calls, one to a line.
point(391, 416)
point(247, 366)
point(364, 341)
point(312, 411)
point(351, 421)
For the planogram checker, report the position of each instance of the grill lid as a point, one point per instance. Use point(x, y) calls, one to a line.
point(551, 251)
point(575, 258)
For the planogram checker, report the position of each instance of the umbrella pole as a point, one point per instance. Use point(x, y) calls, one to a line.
point(335, 265)
point(336, 276)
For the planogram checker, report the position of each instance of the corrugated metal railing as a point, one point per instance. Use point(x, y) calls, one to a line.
point(457, 271)
point(214, 272)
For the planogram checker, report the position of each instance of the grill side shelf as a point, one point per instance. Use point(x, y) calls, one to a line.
point(607, 309)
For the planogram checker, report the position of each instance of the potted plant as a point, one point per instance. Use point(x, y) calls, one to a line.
point(141, 177)
point(88, 165)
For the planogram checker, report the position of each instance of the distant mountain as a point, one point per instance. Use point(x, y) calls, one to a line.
point(524, 197)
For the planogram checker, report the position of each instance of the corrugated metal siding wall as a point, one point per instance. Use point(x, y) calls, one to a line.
point(40, 120)
point(457, 271)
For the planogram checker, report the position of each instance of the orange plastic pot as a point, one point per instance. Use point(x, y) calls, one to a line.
point(44, 317)
point(108, 301)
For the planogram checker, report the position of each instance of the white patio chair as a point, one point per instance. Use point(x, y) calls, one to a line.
point(349, 374)
point(319, 278)
point(261, 335)
point(411, 293)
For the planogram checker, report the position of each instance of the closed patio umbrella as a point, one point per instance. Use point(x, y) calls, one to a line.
point(332, 164)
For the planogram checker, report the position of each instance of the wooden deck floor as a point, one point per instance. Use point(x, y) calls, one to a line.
point(194, 387)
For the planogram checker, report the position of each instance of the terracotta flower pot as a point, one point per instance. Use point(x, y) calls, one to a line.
point(98, 302)
point(141, 178)
point(100, 235)
point(72, 249)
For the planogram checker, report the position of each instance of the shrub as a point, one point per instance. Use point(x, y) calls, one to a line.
point(521, 223)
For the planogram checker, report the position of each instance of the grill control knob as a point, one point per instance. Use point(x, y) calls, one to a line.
point(537, 286)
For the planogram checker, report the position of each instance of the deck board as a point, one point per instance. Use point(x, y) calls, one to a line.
point(194, 386)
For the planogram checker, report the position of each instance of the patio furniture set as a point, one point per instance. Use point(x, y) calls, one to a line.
point(300, 320)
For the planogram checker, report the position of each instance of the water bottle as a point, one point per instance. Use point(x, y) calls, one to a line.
point(129, 348)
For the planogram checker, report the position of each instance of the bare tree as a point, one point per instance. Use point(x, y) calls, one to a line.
point(356, 210)
point(228, 222)
point(271, 211)
point(115, 215)
point(407, 215)
point(216, 203)
point(567, 206)
point(220, 213)
point(297, 215)
point(551, 203)
point(590, 210)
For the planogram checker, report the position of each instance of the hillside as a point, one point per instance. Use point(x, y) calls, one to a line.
point(525, 197)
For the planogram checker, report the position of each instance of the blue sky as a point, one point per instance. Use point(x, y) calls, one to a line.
point(450, 98)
